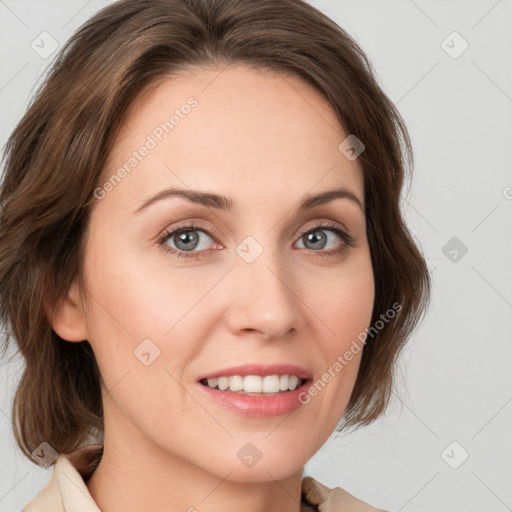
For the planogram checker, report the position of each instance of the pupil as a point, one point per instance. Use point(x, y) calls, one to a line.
point(320, 239)
point(186, 237)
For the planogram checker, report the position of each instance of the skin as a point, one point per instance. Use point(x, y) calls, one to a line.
point(264, 140)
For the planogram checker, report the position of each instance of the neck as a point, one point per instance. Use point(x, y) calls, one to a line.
point(139, 475)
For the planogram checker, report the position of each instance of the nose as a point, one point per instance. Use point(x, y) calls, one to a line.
point(265, 298)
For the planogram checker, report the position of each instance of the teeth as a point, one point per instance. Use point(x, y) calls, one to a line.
point(270, 384)
point(223, 383)
point(255, 383)
point(293, 382)
point(236, 383)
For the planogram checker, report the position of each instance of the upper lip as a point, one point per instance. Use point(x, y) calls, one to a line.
point(261, 370)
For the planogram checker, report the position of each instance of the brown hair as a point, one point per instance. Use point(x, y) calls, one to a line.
point(55, 156)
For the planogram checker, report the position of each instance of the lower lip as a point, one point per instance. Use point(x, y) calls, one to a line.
point(259, 406)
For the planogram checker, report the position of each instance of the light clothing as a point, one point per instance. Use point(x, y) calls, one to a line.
point(67, 492)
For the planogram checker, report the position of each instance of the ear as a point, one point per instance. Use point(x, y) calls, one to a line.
point(69, 320)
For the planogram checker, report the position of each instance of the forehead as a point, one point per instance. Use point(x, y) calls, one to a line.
point(243, 131)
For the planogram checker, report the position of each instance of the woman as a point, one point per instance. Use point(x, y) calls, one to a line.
point(165, 377)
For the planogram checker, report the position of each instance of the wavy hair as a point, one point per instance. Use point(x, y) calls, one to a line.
point(54, 158)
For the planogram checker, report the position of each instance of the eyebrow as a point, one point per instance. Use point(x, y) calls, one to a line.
point(220, 202)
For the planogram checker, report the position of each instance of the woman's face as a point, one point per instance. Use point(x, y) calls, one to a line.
point(242, 287)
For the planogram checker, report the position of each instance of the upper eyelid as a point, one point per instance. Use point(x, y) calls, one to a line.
point(197, 226)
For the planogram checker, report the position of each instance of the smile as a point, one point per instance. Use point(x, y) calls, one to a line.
point(256, 389)
point(254, 384)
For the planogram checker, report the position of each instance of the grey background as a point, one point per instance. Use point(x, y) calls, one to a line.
point(455, 374)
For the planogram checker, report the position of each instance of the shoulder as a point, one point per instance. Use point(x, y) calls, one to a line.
point(66, 490)
point(332, 500)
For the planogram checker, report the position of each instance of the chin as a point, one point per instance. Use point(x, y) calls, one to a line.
point(251, 464)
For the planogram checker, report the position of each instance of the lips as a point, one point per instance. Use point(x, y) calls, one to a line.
point(258, 404)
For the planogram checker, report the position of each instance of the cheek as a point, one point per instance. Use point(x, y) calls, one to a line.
point(344, 306)
point(136, 334)
point(142, 311)
point(138, 298)
point(345, 303)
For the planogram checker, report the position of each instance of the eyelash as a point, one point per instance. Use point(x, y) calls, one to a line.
point(348, 240)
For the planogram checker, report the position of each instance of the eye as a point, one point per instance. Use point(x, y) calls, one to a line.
point(184, 240)
point(317, 239)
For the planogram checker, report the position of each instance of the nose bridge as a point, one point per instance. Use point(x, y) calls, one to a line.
point(265, 300)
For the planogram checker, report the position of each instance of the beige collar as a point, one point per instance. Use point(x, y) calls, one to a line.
point(67, 492)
